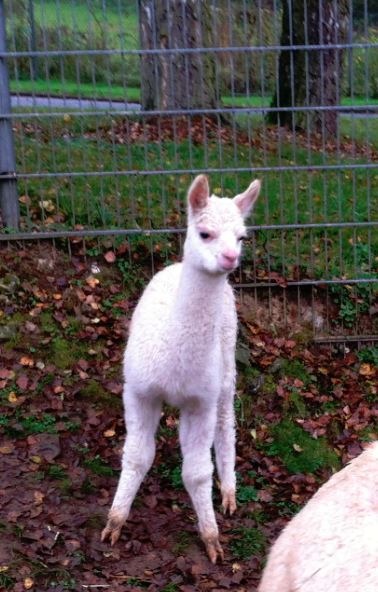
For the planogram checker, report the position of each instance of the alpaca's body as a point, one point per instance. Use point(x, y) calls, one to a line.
point(332, 544)
point(180, 365)
point(181, 350)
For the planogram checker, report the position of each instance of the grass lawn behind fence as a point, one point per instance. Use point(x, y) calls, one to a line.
point(102, 90)
point(68, 144)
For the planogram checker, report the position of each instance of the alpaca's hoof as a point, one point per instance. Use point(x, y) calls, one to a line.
point(213, 548)
point(229, 502)
point(112, 530)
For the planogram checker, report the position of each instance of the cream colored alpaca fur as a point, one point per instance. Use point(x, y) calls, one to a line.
point(332, 544)
point(181, 350)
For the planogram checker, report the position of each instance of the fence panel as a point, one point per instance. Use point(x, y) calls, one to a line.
point(117, 104)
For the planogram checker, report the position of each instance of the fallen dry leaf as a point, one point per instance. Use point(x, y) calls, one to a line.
point(109, 433)
point(28, 583)
point(26, 361)
point(367, 369)
point(110, 257)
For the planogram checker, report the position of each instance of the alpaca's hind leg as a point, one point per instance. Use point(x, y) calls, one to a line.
point(196, 438)
point(142, 417)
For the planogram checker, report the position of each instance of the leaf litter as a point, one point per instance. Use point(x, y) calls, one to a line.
point(62, 434)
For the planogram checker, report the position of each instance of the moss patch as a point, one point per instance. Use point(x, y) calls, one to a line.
point(296, 369)
point(296, 405)
point(64, 353)
point(94, 392)
point(47, 323)
point(299, 452)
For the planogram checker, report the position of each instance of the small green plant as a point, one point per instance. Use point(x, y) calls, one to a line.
point(131, 274)
point(87, 486)
point(182, 542)
point(247, 542)
point(94, 251)
point(259, 516)
point(4, 421)
point(296, 369)
point(134, 581)
point(56, 472)
point(348, 313)
point(98, 466)
point(170, 588)
point(246, 493)
point(72, 425)
point(6, 581)
point(287, 508)
point(176, 478)
point(44, 381)
point(368, 355)
point(38, 425)
point(172, 474)
point(299, 452)
point(352, 301)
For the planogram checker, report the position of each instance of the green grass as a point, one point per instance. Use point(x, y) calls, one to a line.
point(265, 101)
point(68, 143)
point(102, 90)
point(69, 88)
point(118, 21)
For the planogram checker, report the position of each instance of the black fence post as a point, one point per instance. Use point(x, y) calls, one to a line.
point(9, 206)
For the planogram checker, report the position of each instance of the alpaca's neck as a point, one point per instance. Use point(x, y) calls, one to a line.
point(200, 297)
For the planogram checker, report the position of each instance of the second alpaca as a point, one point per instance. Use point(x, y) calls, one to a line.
point(332, 543)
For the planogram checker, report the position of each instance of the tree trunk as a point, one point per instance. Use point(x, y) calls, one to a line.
point(176, 80)
point(311, 77)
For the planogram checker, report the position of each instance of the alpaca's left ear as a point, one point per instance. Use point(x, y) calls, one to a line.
point(245, 201)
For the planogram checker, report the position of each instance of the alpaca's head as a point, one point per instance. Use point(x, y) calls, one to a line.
point(216, 226)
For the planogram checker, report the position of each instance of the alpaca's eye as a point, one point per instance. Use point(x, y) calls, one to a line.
point(204, 235)
point(241, 238)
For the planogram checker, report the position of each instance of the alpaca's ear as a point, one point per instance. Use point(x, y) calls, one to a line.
point(198, 194)
point(246, 200)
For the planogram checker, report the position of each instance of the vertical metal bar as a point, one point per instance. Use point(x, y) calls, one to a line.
point(9, 205)
point(32, 40)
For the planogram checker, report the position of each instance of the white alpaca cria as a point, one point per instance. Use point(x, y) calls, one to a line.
point(332, 544)
point(181, 350)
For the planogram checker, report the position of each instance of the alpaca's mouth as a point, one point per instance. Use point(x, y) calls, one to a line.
point(228, 265)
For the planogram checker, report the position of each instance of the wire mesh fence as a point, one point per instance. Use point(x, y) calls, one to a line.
point(116, 104)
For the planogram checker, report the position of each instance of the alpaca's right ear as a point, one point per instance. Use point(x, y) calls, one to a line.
point(246, 200)
point(198, 194)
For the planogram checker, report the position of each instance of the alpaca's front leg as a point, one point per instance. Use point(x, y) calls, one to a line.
point(196, 438)
point(142, 418)
point(224, 441)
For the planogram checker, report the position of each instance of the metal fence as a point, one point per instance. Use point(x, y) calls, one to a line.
point(111, 107)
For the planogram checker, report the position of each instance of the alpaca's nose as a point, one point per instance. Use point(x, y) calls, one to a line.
point(230, 255)
point(230, 258)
